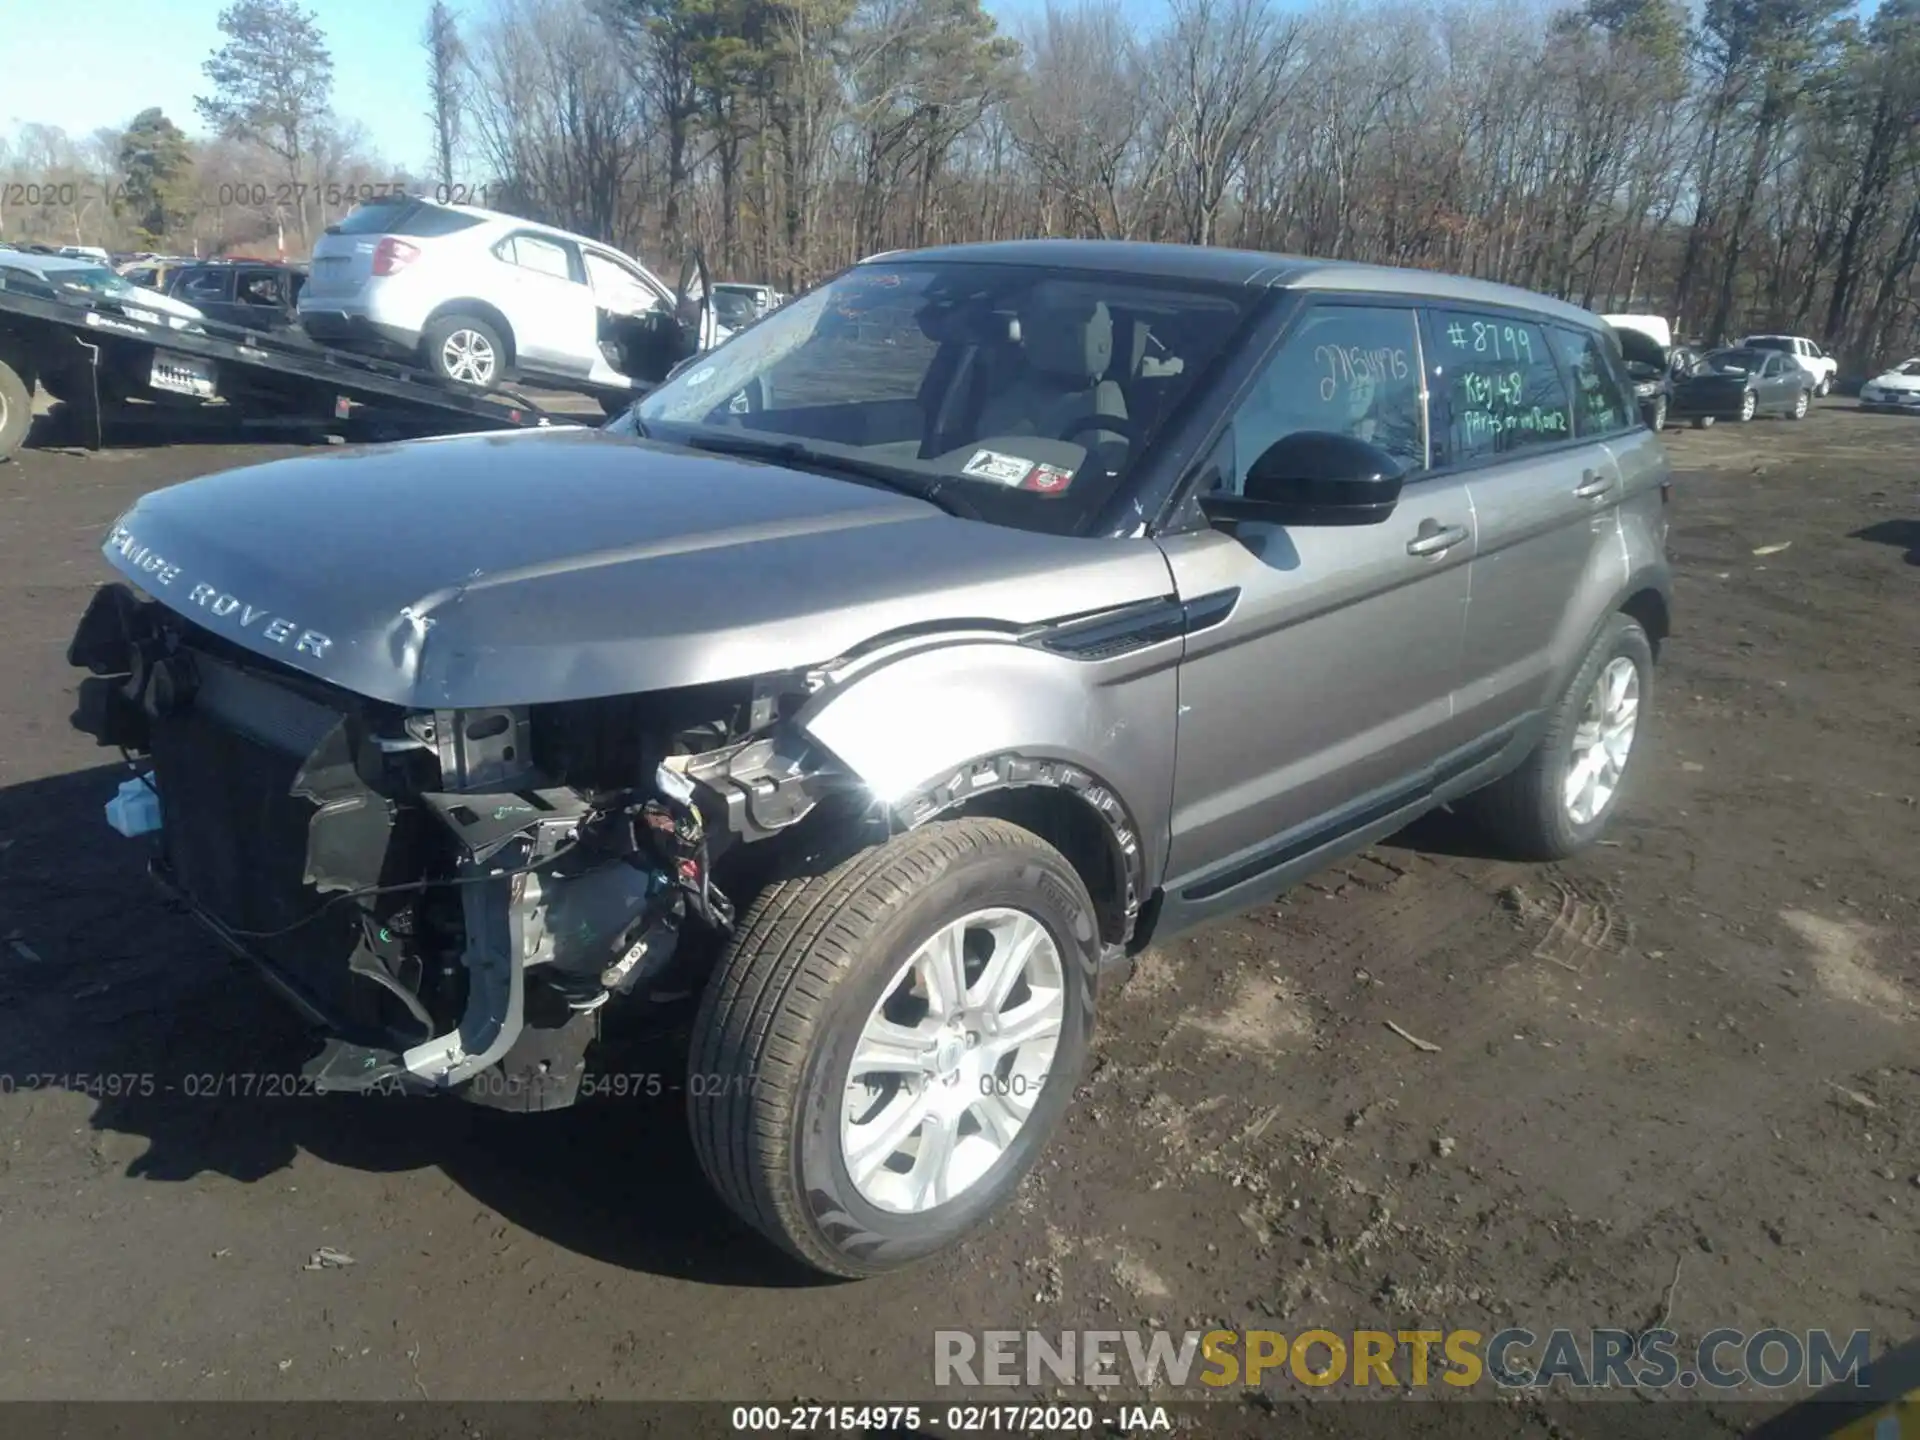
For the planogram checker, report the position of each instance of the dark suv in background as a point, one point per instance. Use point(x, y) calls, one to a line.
point(253, 294)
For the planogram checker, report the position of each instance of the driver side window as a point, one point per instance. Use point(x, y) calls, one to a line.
point(1349, 369)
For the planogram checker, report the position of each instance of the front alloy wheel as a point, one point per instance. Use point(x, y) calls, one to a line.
point(887, 1044)
point(946, 1072)
point(1749, 406)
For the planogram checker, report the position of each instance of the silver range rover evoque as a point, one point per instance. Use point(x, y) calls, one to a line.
point(883, 682)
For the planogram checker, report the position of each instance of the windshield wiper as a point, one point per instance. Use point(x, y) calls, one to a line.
point(804, 457)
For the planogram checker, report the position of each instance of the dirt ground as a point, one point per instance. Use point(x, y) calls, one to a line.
point(1680, 1075)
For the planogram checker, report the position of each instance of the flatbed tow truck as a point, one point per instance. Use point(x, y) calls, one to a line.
point(96, 356)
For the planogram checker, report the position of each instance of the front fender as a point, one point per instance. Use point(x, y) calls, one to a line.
point(943, 721)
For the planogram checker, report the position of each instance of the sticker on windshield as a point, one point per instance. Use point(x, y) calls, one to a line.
point(700, 376)
point(1048, 479)
point(992, 465)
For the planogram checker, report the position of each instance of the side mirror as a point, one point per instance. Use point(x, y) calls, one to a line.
point(1315, 477)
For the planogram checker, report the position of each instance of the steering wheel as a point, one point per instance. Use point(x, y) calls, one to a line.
point(1117, 424)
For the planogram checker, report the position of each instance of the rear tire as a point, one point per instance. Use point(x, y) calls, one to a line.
point(1533, 813)
point(16, 411)
point(1823, 387)
point(465, 350)
point(1800, 406)
point(825, 965)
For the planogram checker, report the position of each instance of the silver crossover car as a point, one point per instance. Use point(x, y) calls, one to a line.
point(876, 687)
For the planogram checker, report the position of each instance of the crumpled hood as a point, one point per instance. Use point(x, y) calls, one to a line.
point(552, 565)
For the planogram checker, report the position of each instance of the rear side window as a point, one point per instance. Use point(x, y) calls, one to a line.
point(1350, 369)
point(1600, 403)
point(535, 252)
point(1498, 386)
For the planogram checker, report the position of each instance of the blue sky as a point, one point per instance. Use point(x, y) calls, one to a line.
point(379, 69)
point(57, 72)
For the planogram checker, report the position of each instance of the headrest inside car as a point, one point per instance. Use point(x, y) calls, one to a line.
point(1066, 337)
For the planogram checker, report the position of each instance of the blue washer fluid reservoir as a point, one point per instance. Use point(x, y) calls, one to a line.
point(135, 810)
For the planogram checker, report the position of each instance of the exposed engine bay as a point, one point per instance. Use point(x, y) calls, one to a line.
point(453, 897)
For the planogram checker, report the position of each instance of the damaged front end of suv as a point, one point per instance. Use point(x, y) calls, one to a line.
point(451, 896)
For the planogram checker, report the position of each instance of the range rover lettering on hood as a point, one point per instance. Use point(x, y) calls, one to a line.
point(161, 573)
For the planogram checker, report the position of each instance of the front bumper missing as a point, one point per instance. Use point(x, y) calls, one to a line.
point(492, 1057)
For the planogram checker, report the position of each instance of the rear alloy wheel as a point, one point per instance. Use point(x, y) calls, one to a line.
point(16, 410)
point(1800, 404)
point(1749, 406)
point(1559, 800)
point(886, 1046)
point(465, 350)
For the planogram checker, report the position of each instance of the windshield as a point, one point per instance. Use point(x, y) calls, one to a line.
point(1912, 367)
point(88, 280)
point(1026, 394)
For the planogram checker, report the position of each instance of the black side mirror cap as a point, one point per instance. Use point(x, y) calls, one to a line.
point(1315, 477)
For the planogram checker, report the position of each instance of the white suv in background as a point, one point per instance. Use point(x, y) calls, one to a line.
point(1807, 355)
point(480, 298)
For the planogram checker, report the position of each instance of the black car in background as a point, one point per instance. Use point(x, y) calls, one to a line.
point(253, 294)
point(1654, 370)
point(1740, 383)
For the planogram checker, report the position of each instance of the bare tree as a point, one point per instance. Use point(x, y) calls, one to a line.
point(555, 117)
point(446, 86)
point(1080, 116)
point(1221, 75)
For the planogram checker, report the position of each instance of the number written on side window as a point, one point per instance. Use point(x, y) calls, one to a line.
point(1350, 369)
point(1500, 386)
point(1601, 406)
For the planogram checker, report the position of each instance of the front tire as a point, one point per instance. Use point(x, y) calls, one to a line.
point(465, 350)
point(885, 1047)
point(1703, 422)
point(1749, 406)
point(1559, 800)
point(1659, 415)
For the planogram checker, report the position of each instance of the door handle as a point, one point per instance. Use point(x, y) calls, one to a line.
point(1593, 482)
point(1433, 538)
